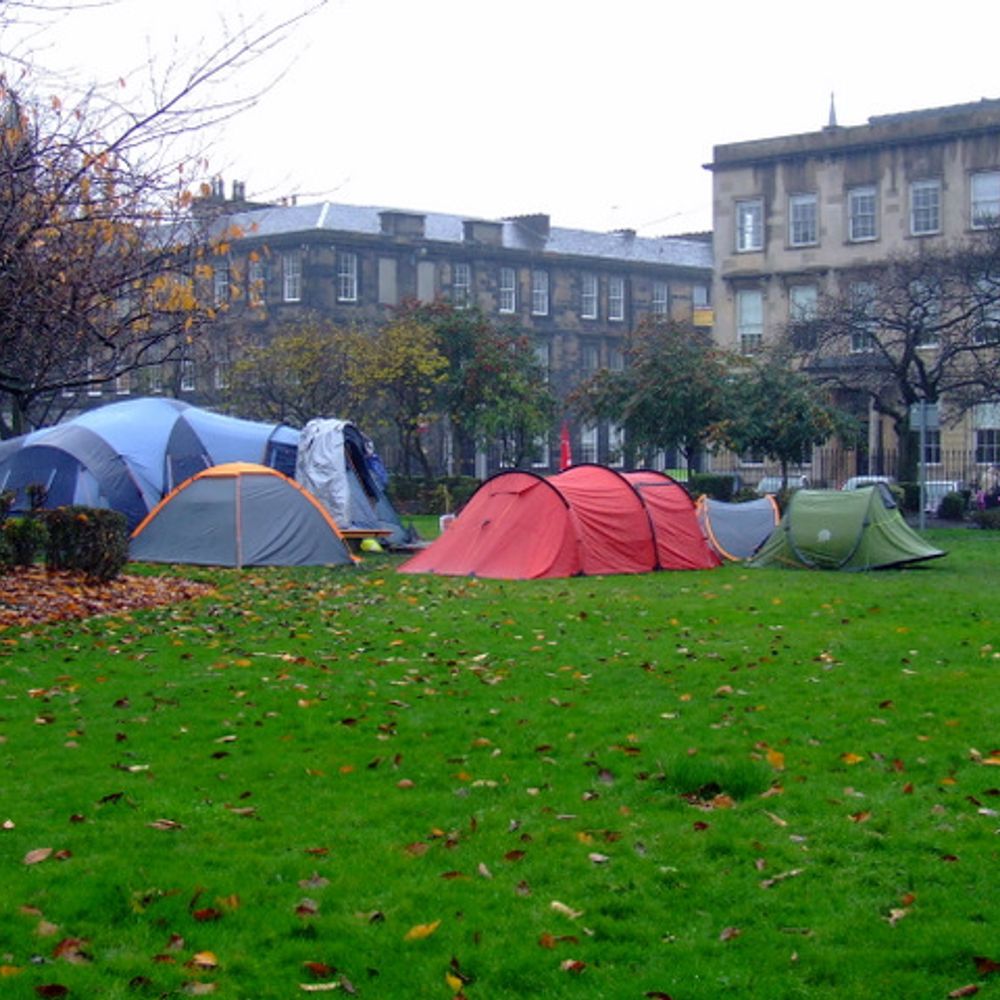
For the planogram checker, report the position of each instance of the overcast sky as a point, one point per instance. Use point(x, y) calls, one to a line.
point(601, 114)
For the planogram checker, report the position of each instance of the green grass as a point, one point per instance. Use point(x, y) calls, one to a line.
point(734, 783)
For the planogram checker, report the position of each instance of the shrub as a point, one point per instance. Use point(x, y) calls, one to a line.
point(89, 540)
point(717, 485)
point(24, 539)
point(988, 519)
point(416, 495)
point(7, 498)
point(952, 507)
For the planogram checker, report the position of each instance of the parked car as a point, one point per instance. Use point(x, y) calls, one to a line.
point(773, 484)
point(857, 482)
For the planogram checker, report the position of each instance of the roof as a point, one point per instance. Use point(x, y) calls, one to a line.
point(620, 245)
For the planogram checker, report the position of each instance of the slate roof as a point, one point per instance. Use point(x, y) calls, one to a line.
point(623, 246)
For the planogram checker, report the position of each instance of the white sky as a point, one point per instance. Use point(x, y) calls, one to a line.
point(601, 114)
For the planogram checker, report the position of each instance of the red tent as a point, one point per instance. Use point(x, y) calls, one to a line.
point(587, 520)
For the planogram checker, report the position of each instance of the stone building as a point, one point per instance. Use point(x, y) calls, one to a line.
point(792, 213)
point(576, 293)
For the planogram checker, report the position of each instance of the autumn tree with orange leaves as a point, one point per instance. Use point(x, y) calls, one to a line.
point(104, 240)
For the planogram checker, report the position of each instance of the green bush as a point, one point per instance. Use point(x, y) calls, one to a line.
point(988, 519)
point(717, 485)
point(952, 507)
point(24, 540)
point(7, 498)
point(910, 500)
point(444, 495)
point(88, 540)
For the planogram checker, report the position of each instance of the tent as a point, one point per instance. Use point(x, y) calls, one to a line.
point(736, 530)
point(240, 514)
point(129, 455)
point(586, 520)
point(338, 464)
point(849, 530)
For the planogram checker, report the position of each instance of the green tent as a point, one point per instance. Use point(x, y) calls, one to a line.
point(850, 530)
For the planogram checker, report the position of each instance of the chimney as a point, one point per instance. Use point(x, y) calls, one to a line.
point(537, 224)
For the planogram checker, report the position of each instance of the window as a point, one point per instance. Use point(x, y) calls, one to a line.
point(539, 293)
point(543, 357)
point(616, 359)
point(616, 299)
point(255, 281)
point(347, 277)
point(925, 208)
point(461, 285)
point(588, 444)
point(291, 272)
point(861, 219)
point(802, 230)
point(123, 384)
point(540, 457)
point(988, 446)
point(985, 199)
point(590, 358)
point(987, 329)
point(861, 296)
point(661, 298)
point(220, 285)
point(187, 376)
point(932, 447)
point(616, 445)
point(221, 375)
point(588, 296)
point(154, 378)
point(802, 300)
point(508, 290)
point(925, 313)
point(749, 225)
point(750, 320)
point(699, 296)
point(426, 280)
point(986, 421)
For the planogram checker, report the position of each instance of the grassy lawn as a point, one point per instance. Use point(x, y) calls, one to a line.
point(737, 783)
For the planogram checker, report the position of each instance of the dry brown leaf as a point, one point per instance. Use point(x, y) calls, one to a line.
point(38, 855)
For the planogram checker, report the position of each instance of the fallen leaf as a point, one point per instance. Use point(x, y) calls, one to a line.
point(573, 965)
point(729, 933)
point(203, 960)
point(38, 855)
point(319, 987)
point(421, 931)
point(985, 966)
point(71, 950)
point(565, 910)
point(964, 991)
point(776, 759)
point(851, 758)
point(165, 824)
point(896, 914)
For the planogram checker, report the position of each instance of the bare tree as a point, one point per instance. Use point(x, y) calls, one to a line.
point(920, 327)
point(104, 239)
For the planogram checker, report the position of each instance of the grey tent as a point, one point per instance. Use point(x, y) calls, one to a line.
point(338, 465)
point(240, 514)
point(736, 530)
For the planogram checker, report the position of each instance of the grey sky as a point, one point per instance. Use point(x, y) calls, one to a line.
point(601, 114)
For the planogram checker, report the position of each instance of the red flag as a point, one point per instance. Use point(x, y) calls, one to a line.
point(565, 449)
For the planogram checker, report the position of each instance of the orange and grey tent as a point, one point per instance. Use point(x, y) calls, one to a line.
point(240, 514)
point(737, 530)
point(587, 520)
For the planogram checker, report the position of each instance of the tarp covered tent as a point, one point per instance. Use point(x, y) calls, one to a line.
point(240, 514)
point(586, 520)
point(736, 530)
point(129, 455)
point(338, 464)
point(853, 530)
